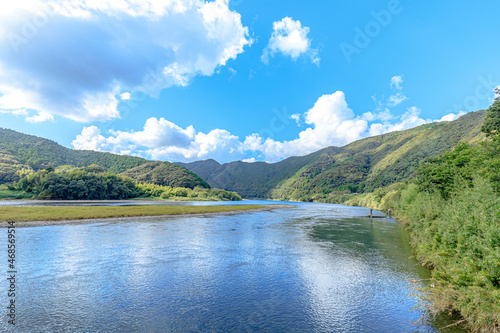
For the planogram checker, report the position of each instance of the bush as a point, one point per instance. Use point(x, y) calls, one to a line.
point(166, 195)
point(460, 239)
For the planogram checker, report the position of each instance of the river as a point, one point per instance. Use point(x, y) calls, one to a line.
point(308, 268)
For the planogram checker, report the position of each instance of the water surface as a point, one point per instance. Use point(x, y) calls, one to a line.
point(310, 268)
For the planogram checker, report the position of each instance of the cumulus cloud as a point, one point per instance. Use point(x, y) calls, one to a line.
point(91, 138)
point(451, 116)
point(290, 38)
point(330, 122)
point(163, 140)
point(218, 144)
point(40, 118)
point(111, 48)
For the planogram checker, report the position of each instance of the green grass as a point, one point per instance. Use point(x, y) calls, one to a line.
point(458, 238)
point(5, 193)
point(94, 212)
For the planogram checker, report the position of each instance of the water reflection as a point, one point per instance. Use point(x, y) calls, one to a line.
point(309, 268)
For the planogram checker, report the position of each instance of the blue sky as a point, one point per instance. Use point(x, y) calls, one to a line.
point(184, 80)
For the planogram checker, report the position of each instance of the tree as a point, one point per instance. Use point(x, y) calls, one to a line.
point(491, 125)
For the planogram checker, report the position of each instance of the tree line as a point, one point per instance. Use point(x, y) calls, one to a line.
point(96, 183)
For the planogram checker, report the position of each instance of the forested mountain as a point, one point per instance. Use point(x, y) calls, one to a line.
point(361, 166)
point(250, 180)
point(21, 151)
point(165, 174)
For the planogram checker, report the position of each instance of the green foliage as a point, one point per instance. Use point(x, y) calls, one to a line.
point(453, 214)
point(77, 184)
point(18, 151)
point(251, 180)
point(177, 193)
point(460, 239)
point(491, 125)
point(463, 162)
point(165, 174)
point(21, 153)
point(9, 192)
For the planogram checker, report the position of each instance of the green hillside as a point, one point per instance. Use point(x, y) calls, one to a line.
point(21, 151)
point(361, 166)
point(250, 180)
point(165, 174)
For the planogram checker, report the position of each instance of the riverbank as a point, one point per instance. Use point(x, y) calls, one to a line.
point(458, 238)
point(42, 216)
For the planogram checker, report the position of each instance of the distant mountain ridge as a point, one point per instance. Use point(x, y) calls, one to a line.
point(22, 151)
point(362, 165)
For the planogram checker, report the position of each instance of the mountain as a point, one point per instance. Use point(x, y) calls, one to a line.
point(360, 166)
point(165, 174)
point(21, 151)
point(250, 180)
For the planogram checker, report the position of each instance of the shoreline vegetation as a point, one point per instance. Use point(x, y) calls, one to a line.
point(38, 216)
point(452, 211)
point(97, 183)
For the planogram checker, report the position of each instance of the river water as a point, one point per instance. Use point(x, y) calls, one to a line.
point(307, 268)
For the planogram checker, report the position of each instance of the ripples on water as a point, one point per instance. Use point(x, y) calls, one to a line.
point(312, 268)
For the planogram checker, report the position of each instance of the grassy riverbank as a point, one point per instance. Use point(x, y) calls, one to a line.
point(98, 212)
point(458, 238)
point(452, 209)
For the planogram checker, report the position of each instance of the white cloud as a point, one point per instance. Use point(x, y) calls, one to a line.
point(92, 139)
point(296, 117)
point(125, 96)
point(162, 139)
point(289, 37)
point(451, 116)
point(252, 142)
point(398, 97)
point(330, 122)
point(396, 82)
point(217, 144)
point(40, 118)
point(111, 48)
point(250, 160)
point(384, 115)
point(408, 120)
point(21, 112)
point(158, 133)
